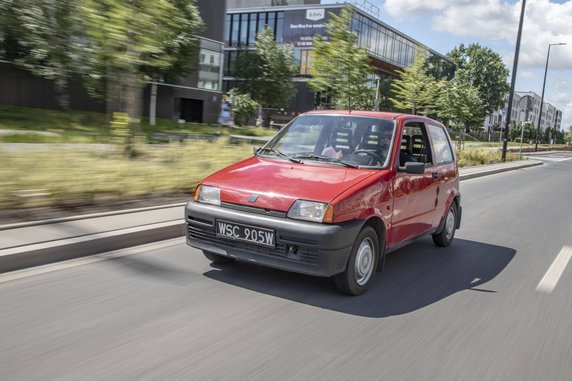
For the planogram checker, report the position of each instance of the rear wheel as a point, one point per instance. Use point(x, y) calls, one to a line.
point(215, 258)
point(362, 264)
point(446, 235)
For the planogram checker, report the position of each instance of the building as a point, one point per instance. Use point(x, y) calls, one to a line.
point(298, 21)
point(525, 109)
point(194, 98)
point(197, 97)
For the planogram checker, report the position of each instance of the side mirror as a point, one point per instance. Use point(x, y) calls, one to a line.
point(255, 149)
point(413, 167)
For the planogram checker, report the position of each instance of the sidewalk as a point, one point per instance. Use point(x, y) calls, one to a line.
point(36, 243)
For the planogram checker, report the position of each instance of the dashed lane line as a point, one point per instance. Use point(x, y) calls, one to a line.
point(552, 276)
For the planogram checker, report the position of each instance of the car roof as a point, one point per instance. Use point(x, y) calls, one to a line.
point(371, 114)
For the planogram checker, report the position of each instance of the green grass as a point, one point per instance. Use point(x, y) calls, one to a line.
point(64, 173)
point(82, 127)
point(473, 156)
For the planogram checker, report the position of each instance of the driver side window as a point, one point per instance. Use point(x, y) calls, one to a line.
point(415, 144)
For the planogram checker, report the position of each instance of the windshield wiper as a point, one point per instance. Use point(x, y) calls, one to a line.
point(280, 154)
point(325, 158)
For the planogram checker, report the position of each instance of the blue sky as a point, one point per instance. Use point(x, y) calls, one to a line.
point(444, 24)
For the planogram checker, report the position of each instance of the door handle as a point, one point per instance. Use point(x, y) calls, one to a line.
point(435, 176)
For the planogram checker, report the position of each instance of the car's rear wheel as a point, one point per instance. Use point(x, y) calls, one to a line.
point(215, 258)
point(447, 233)
point(362, 265)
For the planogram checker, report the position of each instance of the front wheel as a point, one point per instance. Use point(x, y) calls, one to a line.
point(215, 258)
point(446, 235)
point(362, 264)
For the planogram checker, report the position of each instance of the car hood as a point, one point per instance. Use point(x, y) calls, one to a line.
point(277, 184)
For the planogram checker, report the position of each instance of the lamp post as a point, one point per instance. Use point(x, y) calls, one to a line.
point(542, 96)
point(512, 82)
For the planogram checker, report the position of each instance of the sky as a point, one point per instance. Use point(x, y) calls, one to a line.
point(444, 24)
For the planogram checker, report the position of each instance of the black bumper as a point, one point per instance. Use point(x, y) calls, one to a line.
point(302, 247)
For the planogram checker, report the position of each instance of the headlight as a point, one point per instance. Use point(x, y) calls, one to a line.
point(208, 195)
point(308, 210)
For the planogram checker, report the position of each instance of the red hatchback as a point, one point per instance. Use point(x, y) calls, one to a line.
point(330, 195)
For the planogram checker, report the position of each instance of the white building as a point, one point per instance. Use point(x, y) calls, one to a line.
point(525, 108)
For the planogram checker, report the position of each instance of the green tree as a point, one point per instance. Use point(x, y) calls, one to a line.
point(267, 73)
point(415, 90)
point(340, 67)
point(243, 107)
point(134, 40)
point(458, 101)
point(486, 72)
point(10, 30)
point(49, 34)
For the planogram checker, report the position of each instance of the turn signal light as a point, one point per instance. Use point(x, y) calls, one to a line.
point(329, 215)
point(197, 193)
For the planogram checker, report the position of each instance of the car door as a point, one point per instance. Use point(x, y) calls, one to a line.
point(445, 168)
point(414, 194)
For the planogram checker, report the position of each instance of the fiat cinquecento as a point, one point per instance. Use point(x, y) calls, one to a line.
point(330, 195)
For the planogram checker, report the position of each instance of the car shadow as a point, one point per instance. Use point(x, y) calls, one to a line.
point(415, 276)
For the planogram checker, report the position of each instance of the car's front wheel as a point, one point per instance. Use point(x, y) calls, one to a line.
point(362, 264)
point(447, 233)
point(215, 258)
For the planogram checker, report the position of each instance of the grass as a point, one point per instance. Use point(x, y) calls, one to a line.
point(65, 174)
point(473, 156)
point(84, 127)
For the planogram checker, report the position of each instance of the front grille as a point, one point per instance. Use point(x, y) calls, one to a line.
point(207, 234)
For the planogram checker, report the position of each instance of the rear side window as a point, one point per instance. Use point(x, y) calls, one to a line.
point(441, 145)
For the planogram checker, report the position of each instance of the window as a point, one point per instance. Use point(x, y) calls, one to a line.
point(441, 146)
point(209, 70)
point(414, 145)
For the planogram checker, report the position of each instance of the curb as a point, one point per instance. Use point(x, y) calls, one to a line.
point(26, 224)
point(486, 172)
point(21, 257)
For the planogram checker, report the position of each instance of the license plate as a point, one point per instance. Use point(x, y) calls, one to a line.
point(252, 234)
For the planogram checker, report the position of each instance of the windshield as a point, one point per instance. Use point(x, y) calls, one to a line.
point(335, 140)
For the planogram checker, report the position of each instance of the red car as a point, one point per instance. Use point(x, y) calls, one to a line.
point(330, 195)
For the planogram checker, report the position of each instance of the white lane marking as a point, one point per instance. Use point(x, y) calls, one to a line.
point(20, 274)
point(550, 158)
point(552, 276)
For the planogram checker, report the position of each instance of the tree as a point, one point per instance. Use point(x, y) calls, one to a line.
point(243, 107)
point(340, 67)
point(267, 73)
point(458, 101)
point(132, 40)
point(49, 37)
point(486, 72)
point(415, 90)
point(10, 30)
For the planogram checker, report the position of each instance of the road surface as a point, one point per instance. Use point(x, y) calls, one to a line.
point(496, 305)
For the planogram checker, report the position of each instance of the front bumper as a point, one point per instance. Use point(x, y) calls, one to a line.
point(302, 247)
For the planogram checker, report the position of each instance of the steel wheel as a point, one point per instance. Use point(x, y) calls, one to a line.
point(364, 262)
point(447, 233)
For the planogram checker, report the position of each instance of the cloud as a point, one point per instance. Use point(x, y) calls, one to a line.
point(526, 74)
point(497, 20)
point(561, 97)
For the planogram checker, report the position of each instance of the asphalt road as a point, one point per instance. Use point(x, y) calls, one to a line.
point(496, 305)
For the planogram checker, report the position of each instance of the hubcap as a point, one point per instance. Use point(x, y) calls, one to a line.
point(364, 262)
point(450, 224)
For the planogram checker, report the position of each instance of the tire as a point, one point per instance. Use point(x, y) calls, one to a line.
point(215, 258)
point(447, 233)
point(362, 264)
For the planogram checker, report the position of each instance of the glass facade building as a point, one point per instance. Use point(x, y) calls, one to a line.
point(388, 48)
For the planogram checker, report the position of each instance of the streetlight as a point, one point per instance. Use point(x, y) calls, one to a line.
point(542, 97)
